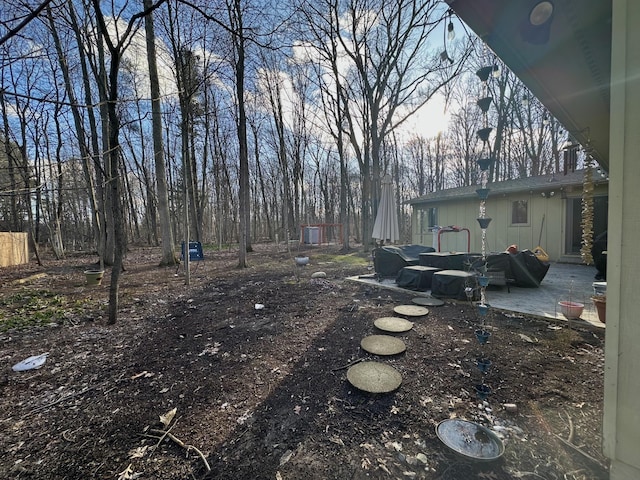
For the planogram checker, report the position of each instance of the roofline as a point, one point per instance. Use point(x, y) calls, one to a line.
point(541, 183)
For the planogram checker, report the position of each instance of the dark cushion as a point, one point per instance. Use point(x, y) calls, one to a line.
point(444, 260)
point(527, 269)
point(452, 284)
point(522, 269)
point(389, 260)
point(416, 277)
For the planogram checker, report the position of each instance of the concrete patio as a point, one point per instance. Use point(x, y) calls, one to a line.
point(563, 281)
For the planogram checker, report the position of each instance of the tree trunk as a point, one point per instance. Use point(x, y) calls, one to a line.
point(244, 220)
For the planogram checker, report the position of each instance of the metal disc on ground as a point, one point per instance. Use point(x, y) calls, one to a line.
point(393, 324)
point(470, 439)
point(383, 345)
point(427, 301)
point(374, 377)
point(411, 310)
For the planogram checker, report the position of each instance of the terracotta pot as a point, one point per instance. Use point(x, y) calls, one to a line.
point(571, 310)
point(600, 302)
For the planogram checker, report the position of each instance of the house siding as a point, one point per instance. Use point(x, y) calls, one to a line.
point(501, 233)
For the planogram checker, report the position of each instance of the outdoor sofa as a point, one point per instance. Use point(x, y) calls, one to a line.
point(389, 260)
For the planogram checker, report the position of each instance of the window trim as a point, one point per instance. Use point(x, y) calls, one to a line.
point(528, 214)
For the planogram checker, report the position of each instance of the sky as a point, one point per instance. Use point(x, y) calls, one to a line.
point(430, 120)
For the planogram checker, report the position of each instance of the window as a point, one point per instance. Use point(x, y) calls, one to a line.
point(432, 217)
point(519, 212)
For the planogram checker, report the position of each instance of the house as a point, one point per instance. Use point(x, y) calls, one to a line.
point(528, 212)
point(581, 60)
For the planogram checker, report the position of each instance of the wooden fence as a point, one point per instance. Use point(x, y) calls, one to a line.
point(14, 248)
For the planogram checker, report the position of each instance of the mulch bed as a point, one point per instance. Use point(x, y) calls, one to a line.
point(262, 393)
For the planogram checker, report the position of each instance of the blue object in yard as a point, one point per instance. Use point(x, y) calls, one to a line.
point(195, 251)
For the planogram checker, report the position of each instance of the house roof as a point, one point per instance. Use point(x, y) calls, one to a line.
point(565, 61)
point(543, 183)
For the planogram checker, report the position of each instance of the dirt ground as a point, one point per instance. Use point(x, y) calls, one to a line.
point(263, 393)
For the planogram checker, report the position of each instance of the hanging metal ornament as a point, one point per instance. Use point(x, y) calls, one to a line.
point(484, 163)
point(587, 213)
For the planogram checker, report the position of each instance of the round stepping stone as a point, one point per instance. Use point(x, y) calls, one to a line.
point(411, 310)
point(383, 345)
point(374, 377)
point(427, 301)
point(393, 324)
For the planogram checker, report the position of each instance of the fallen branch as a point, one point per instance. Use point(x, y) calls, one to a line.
point(61, 399)
point(571, 429)
point(161, 437)
point(581, 452)
point(351, 364)
point(180, 443)
point(522, 474)
point(28, 279)
point(72, 395)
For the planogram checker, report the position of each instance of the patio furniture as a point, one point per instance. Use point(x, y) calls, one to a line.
point(443, 260)
point(389, 260)
point(453, 229)
point(522, 269)
point(416, 277)
point(453, 284)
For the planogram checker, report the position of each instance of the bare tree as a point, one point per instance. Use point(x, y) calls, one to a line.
point(168, 242)
point(112, 158)
point(384, 70)
point(235, 11)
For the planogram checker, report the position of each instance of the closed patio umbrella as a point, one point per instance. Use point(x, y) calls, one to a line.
point(385, 227)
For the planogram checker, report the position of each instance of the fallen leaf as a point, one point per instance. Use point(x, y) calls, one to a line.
point(138, 452)
point(526, 338)
point(129, 474)
point(126, 473)
point(424, 401)
point(286, 456)
point(382, 466)
point(168, 417)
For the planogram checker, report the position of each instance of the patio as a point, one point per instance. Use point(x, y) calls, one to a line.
point(564, 281)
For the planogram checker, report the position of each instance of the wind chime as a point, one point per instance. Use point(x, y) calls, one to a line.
point(587, 211)
point(471, 439)
point(484, 163)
